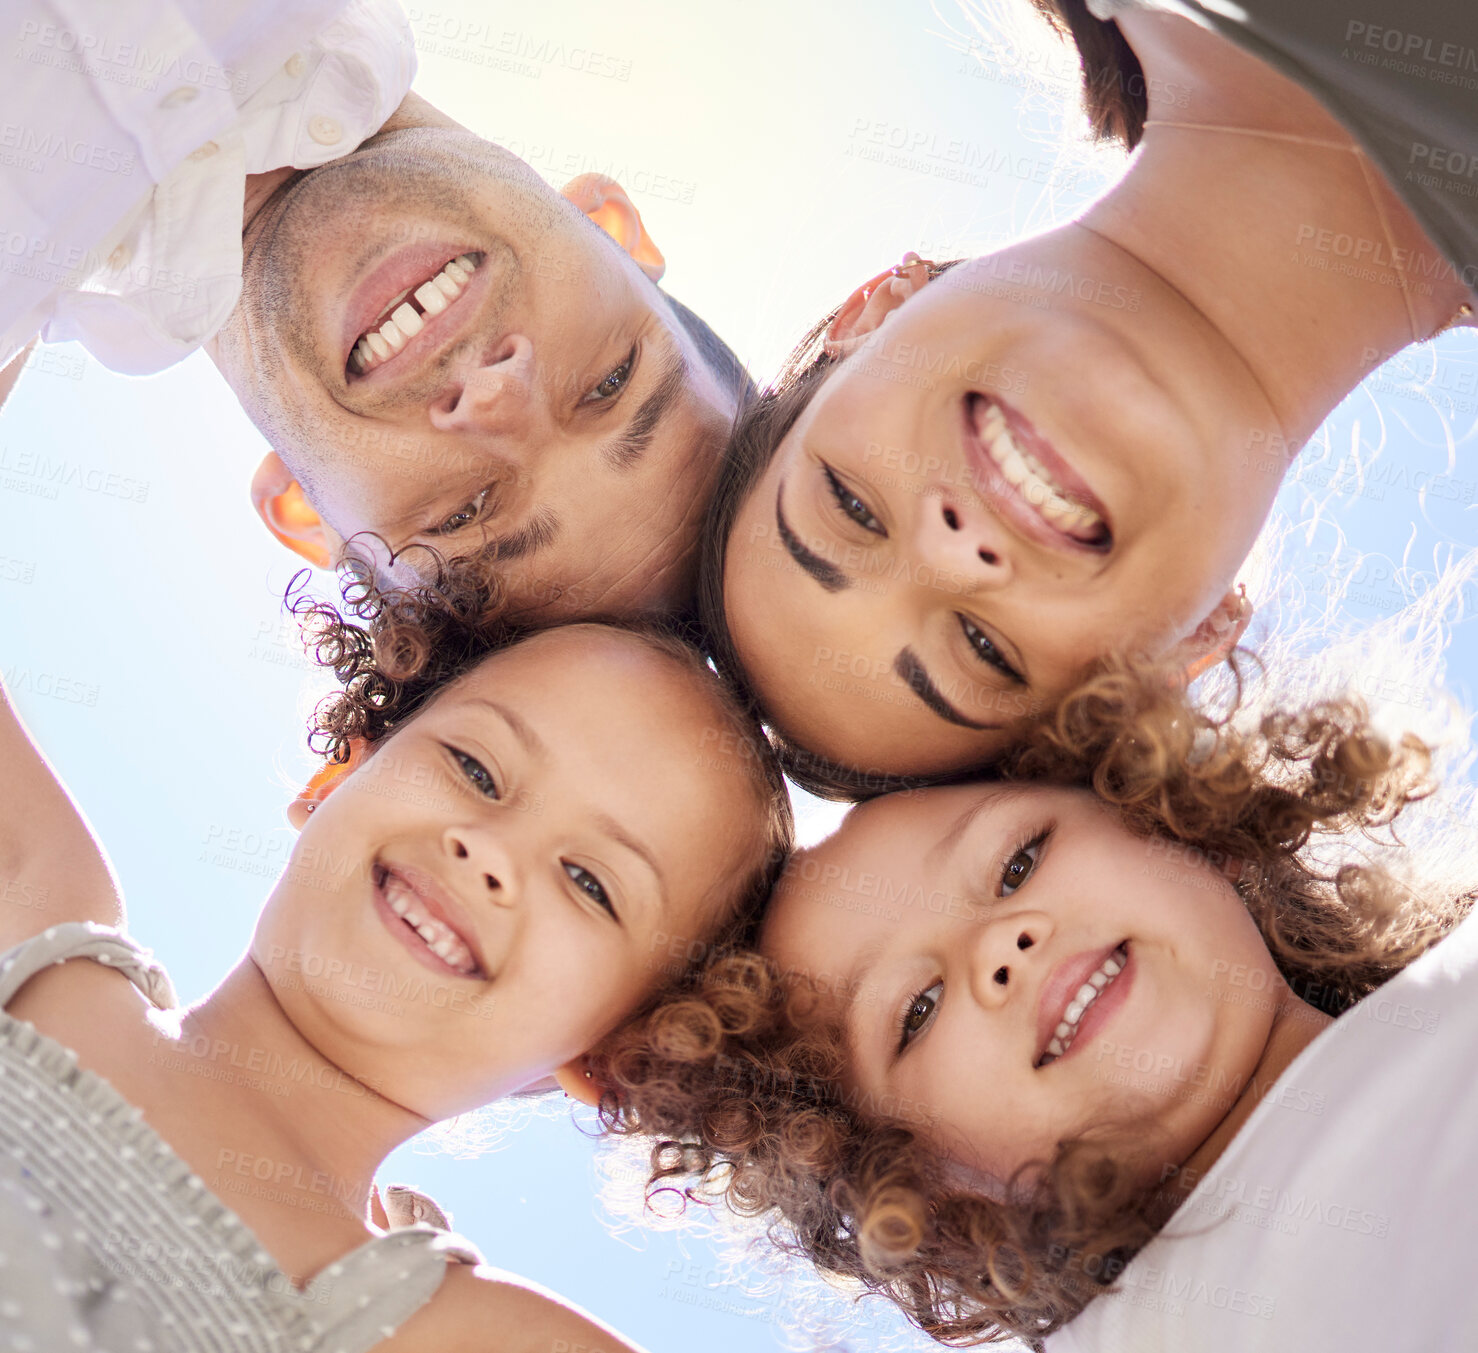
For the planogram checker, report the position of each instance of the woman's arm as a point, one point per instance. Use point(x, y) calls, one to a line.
point(51, 868)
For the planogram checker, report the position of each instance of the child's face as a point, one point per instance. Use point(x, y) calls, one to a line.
point(952, 930)
point(559, 822)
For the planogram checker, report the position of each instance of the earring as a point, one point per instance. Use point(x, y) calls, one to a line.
point(910, 261)
point(311, 805)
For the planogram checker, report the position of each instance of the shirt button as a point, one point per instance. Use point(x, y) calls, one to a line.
point(120, 257)
point(178, 98)
point(324, 130)
point(294, 65)
point(203, 152)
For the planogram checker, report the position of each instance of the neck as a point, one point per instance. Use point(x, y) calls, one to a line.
point(286, 1101)
point(1272, 225)
point(1295, 1025)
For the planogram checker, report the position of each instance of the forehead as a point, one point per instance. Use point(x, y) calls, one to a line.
point(889, 862)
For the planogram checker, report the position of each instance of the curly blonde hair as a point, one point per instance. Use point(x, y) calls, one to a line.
point(744, 1094)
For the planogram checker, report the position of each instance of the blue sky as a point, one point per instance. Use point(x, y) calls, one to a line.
point(140, 599)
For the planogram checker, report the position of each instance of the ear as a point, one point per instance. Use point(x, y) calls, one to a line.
point(281, 504)
point(327, 778)
point(864, 311)
point(1215, 637)
point(605, 202)
point(576, 1080)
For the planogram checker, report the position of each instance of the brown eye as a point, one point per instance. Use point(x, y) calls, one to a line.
point(917, 1014)
point(1019, 867)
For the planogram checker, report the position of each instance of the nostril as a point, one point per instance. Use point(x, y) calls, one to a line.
point(1001, 976)
point(951, 520)
point(988, 557)
point(493, 884)
point(460, 850)
point(1024, 941)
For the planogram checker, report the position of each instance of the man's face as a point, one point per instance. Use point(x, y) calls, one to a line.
point(540, 399)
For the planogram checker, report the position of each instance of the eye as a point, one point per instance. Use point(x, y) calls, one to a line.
point(986, 651)
point(851, 505)
point(917, 1014)
point(1019, 866)
point(588, 884)
point(464, 516)
point(613, 382)
point(478, 775)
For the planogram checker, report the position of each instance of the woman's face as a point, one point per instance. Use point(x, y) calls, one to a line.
point(1041, 457)
point(953, 932)
point(507, 877)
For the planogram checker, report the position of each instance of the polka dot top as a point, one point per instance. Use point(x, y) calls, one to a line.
point(108, 1241)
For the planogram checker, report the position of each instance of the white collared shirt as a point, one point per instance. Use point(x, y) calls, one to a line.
point(127, 131)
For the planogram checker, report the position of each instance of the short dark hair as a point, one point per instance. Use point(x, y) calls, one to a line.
point(717, 355)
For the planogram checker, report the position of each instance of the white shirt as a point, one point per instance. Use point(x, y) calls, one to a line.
point(127, 130)
point(1342, 1216)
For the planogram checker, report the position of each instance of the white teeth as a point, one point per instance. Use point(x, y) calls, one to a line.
point(394, 301)
point(1025, 472)
point(430, 297)
point(408, 318)
point(441, 939)
point(1062, 1036)
point(402, 321)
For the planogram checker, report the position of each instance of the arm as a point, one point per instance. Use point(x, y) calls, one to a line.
point(51, 868)
point(484, 1310)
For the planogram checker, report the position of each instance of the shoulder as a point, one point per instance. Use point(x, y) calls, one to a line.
point(482, 1309)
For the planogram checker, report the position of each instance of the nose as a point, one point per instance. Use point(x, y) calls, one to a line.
point(483, 864)
point(498, 395)
point(960, 541)
point(1002, 954)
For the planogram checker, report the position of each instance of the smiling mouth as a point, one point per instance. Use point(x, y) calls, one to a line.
point(430, 930)
point(1006, 440)
point(1098, 982)
point(406, 314)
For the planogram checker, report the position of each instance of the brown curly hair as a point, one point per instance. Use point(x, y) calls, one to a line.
point(393, 650)
point(744, 1093)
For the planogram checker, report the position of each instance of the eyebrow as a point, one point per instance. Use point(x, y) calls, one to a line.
point(949, 842)
point(911, 671)
point(540, 531)
point(862, 969)
point(532, 742)
point(625, 450)
point(622, 837)
point(823, 570)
